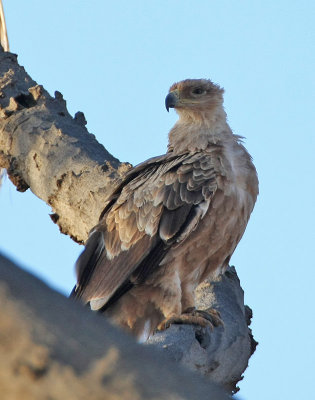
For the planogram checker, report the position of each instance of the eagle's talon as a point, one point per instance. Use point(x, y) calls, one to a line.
point(191, 316)
point(211, 315)
point(189, 310)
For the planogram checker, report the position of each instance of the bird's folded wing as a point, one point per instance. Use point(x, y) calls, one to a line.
point(157, 205)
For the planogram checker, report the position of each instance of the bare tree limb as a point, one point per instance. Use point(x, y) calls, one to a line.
point(53, 348)
point(43, 148)
point(4, 41)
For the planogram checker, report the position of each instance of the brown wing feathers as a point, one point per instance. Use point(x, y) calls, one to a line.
point(89, 257)
point(152, 208)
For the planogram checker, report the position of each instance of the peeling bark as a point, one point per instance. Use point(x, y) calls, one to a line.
point(43, 148)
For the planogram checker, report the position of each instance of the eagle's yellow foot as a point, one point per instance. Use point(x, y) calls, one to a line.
point(191, 316)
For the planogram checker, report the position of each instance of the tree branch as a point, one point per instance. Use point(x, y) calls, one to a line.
point(53, 348)
point(43, 148)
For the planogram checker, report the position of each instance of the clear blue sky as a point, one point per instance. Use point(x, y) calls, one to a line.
point(115, 60)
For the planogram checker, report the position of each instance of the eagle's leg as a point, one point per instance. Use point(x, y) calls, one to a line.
point(191, 316)
point(187, 312)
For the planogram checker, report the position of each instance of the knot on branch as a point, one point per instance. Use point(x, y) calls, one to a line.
point(59, 98)
point(25, 100)
point(22, 100)
point(79, 117)
point(36, 91)
point(11, 165)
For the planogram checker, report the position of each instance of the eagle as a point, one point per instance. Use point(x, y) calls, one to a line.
point(172, 222)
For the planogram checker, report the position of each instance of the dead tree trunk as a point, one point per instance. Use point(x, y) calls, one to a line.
point(43, 148)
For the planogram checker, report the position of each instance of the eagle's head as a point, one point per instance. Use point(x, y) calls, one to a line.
point(193, 96)
point(202, 119)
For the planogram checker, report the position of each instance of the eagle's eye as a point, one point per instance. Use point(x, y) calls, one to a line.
point(198, 90)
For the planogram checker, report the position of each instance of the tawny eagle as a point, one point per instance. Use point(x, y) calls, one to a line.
point(173, 221)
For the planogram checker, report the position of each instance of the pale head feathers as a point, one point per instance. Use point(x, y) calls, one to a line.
point(202, 119)
point(198, 94)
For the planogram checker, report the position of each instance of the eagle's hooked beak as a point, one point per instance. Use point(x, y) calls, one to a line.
point(171, 100)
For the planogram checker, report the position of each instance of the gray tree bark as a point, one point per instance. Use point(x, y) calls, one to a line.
point(43, 148)
point(55, 349)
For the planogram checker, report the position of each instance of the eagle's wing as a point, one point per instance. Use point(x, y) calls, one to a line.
point(158, 205)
